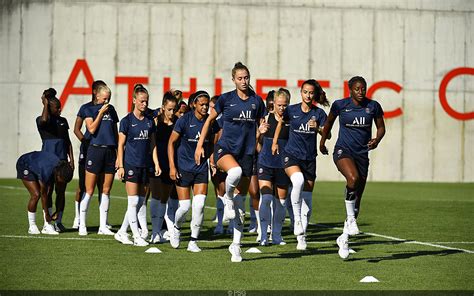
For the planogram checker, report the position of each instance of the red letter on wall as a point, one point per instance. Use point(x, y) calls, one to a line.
point(131, 81)
point(386, 84)
point(186, 94)
point(442, 93)
point(261, 83)
point(70, 89)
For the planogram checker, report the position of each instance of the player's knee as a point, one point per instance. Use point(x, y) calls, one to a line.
point(297, 180)
point(234, 173)
point(352, 181)
point(35, 196)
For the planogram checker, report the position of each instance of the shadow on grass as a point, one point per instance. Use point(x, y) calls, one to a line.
point(406, 255)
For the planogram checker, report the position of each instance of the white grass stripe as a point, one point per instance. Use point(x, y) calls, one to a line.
point(53, 237)
point(461, 243)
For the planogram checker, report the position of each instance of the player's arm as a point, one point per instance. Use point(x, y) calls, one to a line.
point(78, 127)
point(45, 113)
point(171, 151)
point(93, 124)
point(275, 148)
point(44, 189)
point(326, 132)
point(120, 149)
point(380, 124)
point(154, 154)
point(205, 129)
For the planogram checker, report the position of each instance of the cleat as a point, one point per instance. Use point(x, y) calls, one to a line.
point(234, 249)
point(123, 238)
point(219, 230)
point(105, 231)
point(75, 224)
point(165, 234)
point(278, 240)
point(252, 227)
point(174, 238)
point(193, 247)
point(82, 230)
point(350, 226)
point(156, 238)
point(298, 229)
point(139, 242)
point(59, 227)
point(33, 230)
point(229, 212)
point(143, 233)
point(302, 245)
point(264, 243)
point(343, 246)
point(49, 229)
point(108, 226)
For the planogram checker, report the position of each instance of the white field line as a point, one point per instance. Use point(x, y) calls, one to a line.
point(435, 245)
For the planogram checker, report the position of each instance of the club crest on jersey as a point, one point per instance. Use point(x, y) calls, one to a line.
point(286, 159)
point(81, 156)
point(339, 152)
point(130, 173)
point(89, 162)
point(254, 107)
point(260, 170)
point(26, 172)
point(367, 110)
point(219, 151)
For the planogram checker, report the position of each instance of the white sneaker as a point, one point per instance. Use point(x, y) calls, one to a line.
point(143, 233)
point(263, 243)
point(229, 212)
point(302, 245)
point(350, 226)
point(219, 230)
point(75, 224)
point(165, 235)
point(33, 230)
point(105, 231)
point(123, 238)
point(108, 226)
point(234, 249)
point(298, 228)
point(278, 240)
point(343, 247)
point(174, 238)
point(156, 238)
point(82, 230)
point(139, 242)
point(49, 229)
point(193, 247)
point(252, 227)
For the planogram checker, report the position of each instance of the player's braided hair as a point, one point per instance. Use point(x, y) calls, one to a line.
point(64, 170)
point(355, 79)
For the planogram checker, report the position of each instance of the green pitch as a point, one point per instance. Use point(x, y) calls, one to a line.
point(416, 236)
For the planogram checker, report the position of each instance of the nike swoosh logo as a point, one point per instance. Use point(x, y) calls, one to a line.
point(232, 105)
point(296, 116)
point(192, 125)
point(133, 125)
point(348, 110)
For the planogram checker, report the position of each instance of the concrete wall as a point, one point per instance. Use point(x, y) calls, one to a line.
point(411, 43)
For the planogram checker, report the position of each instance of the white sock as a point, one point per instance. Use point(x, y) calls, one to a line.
point(265, 212)
point(183, 209)
point(197, 215)
point(103, 210)
point(125, 224)
point(220, 209)
point(132, 214)
point(297, 181)
point(50, 212)
point(154, 215)
point(306, 208)
point(239, 218)
point(84, 206)
point(76, 205)
point(279, 216)
point(142, 213)
point(232, 180)
point(350, 206)
point(31, 218)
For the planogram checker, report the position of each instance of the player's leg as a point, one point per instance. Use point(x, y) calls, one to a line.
point(198, 203)
point(34, 191)
point(297, 182)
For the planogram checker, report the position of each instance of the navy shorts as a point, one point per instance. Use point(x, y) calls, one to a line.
point(275, 175)
point(164, 177)
point(307, 167)
point(187, 179)
point(101, 160)
point(361, 161)
point(135, 174)
point(244, 161)
point(24, 174)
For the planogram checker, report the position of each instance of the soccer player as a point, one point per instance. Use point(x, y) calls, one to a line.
point(101, 122)
point(299, 154)
point(161, 185)
point(186, 173)
point(242, 110)
point(53, 130)
point(271, 174)
point(136, 142)
point(38, 171)
point(351, 152)
point(85, 138)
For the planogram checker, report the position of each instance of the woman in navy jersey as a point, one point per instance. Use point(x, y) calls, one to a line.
point(101, 122)
point(161, 186)
point(136, 142)
point(351, 152)
point(84, 138)
point(299, 154)
point(54, 132)
point(38, 171)
point(242, 111)
point(271, 174)
point(186, 173)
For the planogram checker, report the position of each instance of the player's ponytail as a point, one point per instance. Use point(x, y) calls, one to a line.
point(319, 93)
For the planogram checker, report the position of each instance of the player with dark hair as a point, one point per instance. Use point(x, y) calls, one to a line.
point(39, 171)
point(351, 152)
point(53, 129)
point(242, 110)
point(136, 142)
point(299, 154)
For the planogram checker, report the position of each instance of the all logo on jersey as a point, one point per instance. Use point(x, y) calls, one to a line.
point(143, 135)
point(245, 115)
point(304, 128)
point(360, 121)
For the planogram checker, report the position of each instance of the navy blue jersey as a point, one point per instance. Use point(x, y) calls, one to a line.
point(162, 136)
point(189, 128)
point(240, 119)
point(302, 139)
point(40, 163)
point(55, 135)
point(265, 157)
point(82, 114)
point(137, 144)
point(355, 123)
point(104, 134)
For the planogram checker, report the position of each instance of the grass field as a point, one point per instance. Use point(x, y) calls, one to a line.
point(416, 236)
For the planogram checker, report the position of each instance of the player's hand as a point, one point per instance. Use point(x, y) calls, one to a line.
point(198, 154)
point(275, 149)
point(174, 174)
point(71, 164)
point(373, 143)
point(104, 108)
point(121, 173)
point(263, 128)
point(157, 170)
point(323, 149)
point(312, 124)
point(44, 100)
point(213, 170)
